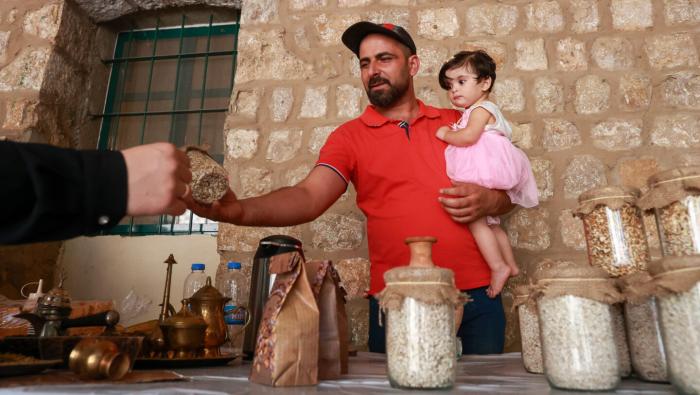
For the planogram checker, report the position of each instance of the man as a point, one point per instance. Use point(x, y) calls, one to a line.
point(52, 193)
point(391, 155)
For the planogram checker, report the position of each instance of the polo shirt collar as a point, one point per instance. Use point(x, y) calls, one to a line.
point(372, 118)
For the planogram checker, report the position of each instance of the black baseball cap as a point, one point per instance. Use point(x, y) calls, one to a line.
point(354, 35)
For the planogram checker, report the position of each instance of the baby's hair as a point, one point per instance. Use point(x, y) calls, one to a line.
point(478, 62)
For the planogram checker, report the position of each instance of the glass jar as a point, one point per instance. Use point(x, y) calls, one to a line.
point(419, 302)
point(577, 330)
point(529, 330)
point(675, 197)
point(614, 229)
point(678, 287)
point(645, 343)
point(620, 334)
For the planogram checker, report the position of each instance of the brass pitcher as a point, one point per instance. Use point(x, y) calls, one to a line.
point(209, 303)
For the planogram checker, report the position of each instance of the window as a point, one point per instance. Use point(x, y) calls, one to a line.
point(170, 84)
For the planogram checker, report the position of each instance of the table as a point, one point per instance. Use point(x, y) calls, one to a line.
point(489, 374)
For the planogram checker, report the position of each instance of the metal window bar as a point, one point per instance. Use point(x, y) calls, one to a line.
point(117, 93)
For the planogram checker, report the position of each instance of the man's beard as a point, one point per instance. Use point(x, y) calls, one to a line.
point(385, 97)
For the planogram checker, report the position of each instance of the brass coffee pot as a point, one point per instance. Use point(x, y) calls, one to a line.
point(209, 303)
point(183, 333)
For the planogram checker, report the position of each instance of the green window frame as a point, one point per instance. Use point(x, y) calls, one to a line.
point(189, 98)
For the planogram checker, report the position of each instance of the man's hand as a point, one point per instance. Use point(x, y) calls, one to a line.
point(158, 177)
point(227, 209)
point(469, 202)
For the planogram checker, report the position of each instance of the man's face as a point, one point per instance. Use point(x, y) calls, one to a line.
point(384, 69)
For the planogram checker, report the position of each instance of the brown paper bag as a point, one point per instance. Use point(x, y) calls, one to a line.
point(286, 350)
point(334, 338)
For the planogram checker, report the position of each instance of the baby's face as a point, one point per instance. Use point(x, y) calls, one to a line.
point(465, 90)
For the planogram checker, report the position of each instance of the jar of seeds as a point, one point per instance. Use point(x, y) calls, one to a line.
point(578, 342)
point(643, 330)
point(677, 281)
point(674, 195)
point(419, 304)
point(614, 229)
point(529, 329)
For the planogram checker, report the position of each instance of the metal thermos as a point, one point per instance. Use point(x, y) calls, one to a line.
point(261, 283)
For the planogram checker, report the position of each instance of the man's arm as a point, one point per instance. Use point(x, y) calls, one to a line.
point(468, 202)
point(287, 206)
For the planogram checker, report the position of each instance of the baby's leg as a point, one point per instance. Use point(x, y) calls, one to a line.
point(488, 245)
point(506, 250)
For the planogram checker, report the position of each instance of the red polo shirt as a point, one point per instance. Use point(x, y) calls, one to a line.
point(397, 176)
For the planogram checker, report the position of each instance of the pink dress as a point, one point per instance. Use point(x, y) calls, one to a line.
point(493, 162)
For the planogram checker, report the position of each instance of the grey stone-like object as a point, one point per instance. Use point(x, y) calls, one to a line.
point(209, 179)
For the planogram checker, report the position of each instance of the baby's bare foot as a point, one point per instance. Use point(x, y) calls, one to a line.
point(514, 271)
point(498, 281)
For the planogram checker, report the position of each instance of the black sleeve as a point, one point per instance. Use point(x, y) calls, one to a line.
point(51, 193)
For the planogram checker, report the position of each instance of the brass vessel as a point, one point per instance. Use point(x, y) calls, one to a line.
point(184, 333)
point(209, 303)
point(94, 358)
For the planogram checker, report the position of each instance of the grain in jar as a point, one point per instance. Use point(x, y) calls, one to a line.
point(643, 329)
point(577, 331)
point(677, 281)
point(529, 329)
point(614, 229)
point(419, 303)
point(674, 195)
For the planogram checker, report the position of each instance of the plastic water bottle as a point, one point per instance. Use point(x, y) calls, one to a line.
point(194, 281)
point(232, 283)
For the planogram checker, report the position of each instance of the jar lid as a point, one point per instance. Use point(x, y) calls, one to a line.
point(675, 274)
point(427, 285)
point(613, 196)
point(636, 287)
point(669, 186)
point(578, 280)
point(198, 266)
point(184, 319)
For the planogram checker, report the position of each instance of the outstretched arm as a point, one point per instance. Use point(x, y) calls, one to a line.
point(286, 206)
point(478, 119)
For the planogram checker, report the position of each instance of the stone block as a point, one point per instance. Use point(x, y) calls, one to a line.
point(571, 229)
point(681, 11)
point(353, 3)
point(671, 50)
point(246, 238)
point(522, 135)
point(283, 145)
point(613, 53)
point(318, 138)
point(354, 275)
point(303, 5)
point(301, 38)
point(592, 95)
point(583, 172)
point(262, 55)
point(297, 174)
point(676, 131)
point(43, 22)
point(398, 16)
point(560, 134)
point(242, 143)
point(26, 71)
point(251, 181)
point(635, 92)
point(495, 49)
point(634, 172)
point(280, 104)
point(631, 14)
point(246, 103)
point(530, 54)
point(584, 16)
point(571, 55)
point(428, 96)
point(329, 28)
point(544, 16)
point(20, 114)
point(543, 170)
point(334, 232)
point(437, 23)
point(682, 90)
point(103, 11)
point(432, 58)
point(492, 19)
point(347, 100)
point(549, 95)
point(315, 102)
point(529, 229)
point(508, 94)
point(259, 12)
point(617, 134)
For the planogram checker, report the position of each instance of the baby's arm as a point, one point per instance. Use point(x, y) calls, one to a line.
point(478, 119)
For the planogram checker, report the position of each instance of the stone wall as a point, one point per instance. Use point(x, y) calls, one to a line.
point(600, 92)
